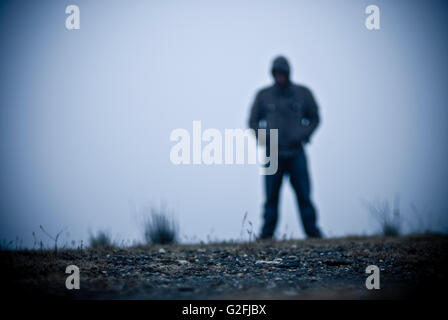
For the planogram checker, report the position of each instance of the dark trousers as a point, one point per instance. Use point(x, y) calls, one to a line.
point(296, 167)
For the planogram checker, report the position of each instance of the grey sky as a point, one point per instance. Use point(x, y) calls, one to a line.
point(86, 115)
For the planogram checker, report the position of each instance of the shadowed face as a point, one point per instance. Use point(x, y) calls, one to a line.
point(281, 78)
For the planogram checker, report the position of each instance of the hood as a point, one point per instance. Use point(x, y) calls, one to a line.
point(281, 64)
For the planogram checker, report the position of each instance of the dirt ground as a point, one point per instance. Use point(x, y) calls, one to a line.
point(410, 267)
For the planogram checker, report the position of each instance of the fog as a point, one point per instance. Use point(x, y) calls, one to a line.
point(86, 114)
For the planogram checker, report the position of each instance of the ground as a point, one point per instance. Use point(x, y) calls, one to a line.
point(411, 266)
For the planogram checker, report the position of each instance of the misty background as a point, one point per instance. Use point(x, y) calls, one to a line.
point(86, 115)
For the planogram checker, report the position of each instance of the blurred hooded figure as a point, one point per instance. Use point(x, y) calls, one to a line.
point(292, 110)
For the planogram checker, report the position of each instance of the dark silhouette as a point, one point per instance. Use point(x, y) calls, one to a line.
point(292, 110)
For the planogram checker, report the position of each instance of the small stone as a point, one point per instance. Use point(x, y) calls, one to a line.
point(290, 265)
point(275, 261)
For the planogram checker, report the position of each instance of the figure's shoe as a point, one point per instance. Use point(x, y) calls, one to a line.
point(264, 238)
point(316, 235)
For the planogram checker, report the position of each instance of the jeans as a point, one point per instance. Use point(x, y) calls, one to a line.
point(296, 167)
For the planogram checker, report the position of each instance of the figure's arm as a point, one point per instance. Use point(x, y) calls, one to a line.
point(312, 115)
point(255, 114)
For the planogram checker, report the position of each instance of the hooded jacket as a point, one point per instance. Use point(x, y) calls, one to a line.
point(291, 109)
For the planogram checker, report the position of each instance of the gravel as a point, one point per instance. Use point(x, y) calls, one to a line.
point(292, 269)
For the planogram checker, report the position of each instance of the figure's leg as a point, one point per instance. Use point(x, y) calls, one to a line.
point(302, 187)
point(272, 191)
